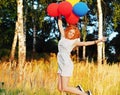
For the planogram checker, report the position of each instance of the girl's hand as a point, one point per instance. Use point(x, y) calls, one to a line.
point(59, 17)
point(103, 39)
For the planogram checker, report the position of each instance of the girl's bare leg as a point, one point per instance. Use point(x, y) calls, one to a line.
point(59, 82)
point(64, 85)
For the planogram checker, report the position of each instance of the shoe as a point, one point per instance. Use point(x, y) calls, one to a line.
point(80, 88)
point(89, 92)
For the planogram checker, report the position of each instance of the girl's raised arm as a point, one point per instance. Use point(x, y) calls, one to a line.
point(61, 27)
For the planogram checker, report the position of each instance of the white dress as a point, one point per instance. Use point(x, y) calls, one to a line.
point(65, 64)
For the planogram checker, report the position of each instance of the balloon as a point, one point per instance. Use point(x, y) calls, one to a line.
point(72, 19)
point(80, 9)
point(52, 10)
point(73, 2)
point(65, 8)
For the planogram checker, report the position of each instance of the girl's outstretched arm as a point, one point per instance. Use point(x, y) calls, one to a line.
point(88, 43)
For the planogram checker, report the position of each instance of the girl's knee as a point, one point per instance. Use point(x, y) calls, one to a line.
point(65, 88)
point(60, 89)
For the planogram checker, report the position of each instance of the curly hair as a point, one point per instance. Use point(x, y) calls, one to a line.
point(77, 31)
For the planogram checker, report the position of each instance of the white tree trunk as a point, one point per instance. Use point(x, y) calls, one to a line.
point(84, 52)
point(103, 52)
point(21, 36)
point(78, 59)
point(84, 37)
point(12, 54)
point(21, 39)
point(100, 33)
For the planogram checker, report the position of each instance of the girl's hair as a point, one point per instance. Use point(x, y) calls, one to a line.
point(77, 31)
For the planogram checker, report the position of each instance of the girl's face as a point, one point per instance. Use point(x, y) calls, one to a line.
point(71, 33)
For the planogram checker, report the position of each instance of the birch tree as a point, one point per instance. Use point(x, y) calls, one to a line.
point(12, 54)
point(100, 33)
point(84, 37)
point(19, 36)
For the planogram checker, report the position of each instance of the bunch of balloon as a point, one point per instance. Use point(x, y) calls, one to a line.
point(52, 10)
point(72, 10)
point(73, 2)
point(80, 9)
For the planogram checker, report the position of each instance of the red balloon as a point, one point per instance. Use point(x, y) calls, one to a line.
point(52, 10)
point(65, 8)
point(72, 19)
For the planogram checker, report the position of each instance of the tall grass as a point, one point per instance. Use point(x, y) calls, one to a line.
point(39, 77)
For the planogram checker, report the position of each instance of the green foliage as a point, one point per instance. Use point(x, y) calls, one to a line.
point(4, 54)
point(2, 92)
point(14, 92)
point(8, 8)
point(7, 24)
point(116, 13)
point(4, 3)
point(115, 42)
point(19, 91)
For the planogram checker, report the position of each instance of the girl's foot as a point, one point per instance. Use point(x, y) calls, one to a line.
point(80, 88)
point(88, 92)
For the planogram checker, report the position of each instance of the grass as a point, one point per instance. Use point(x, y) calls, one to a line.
point(39, 77)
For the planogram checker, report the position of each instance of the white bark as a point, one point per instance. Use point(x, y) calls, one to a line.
point(84, 37)
point(84, 52)
point(13, 49)
point(21, 39)
point(21, 36)
point(100, 33)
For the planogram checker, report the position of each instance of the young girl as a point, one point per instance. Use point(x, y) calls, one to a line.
point(69, 39)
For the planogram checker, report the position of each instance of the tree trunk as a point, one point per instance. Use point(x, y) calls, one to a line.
point(77, 49)
point(84, 52)
point(12, 54)
point(24, 24)
point(34, 38)
point(21, 38)
point(100, 33)
point(34, 29)
point(103, 52)
point(84, 37)
point(104, 29)
point(21, 35)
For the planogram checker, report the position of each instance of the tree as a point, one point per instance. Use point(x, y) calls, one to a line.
point(19, 35)
point(84, 36)
point(100, 31)
point(12, 54)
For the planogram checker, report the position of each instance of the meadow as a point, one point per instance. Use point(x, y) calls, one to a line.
point(39, 77)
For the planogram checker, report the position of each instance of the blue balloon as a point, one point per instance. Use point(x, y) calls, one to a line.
point(80, 9)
